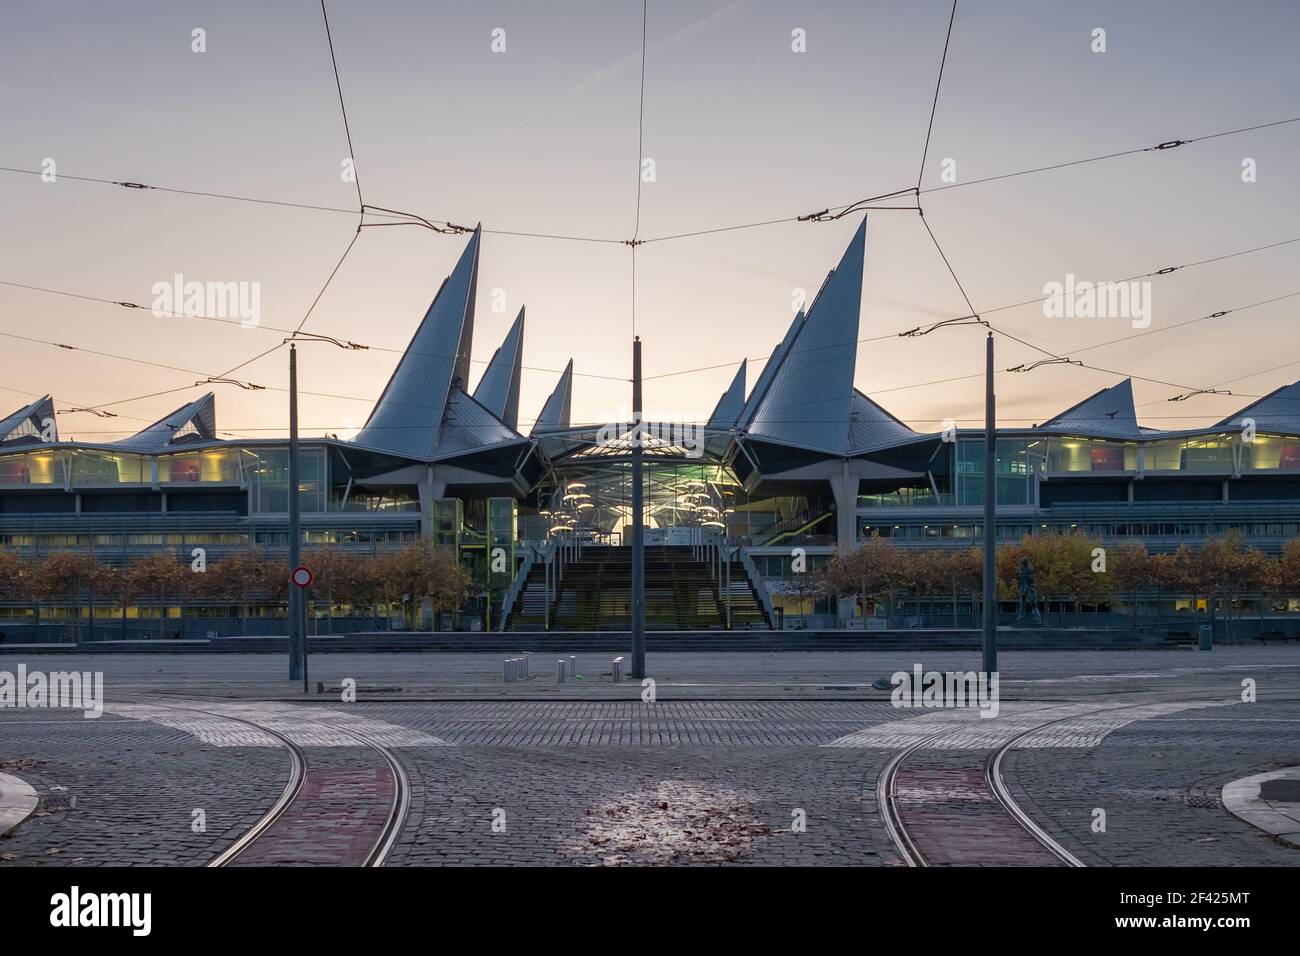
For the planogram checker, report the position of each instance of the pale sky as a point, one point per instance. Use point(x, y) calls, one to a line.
point(543, 138)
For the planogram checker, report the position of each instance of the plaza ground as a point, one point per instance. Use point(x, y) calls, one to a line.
point(746, 759)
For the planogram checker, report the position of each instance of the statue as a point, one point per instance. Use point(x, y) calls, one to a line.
point(1027, 606)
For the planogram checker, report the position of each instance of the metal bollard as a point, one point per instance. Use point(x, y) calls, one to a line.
point(508, 671)
point(561, 671)
point(573, 668)
point(523, 663)
point(616, 669)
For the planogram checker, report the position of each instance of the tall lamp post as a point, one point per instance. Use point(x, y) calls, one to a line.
point(990, 616)
point(297, 634)
point(297, 595)
point(638, 520)
point(990, 515)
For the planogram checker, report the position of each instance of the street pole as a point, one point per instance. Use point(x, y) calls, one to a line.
point(297, 639)
point(990, 516)
point(638, 521)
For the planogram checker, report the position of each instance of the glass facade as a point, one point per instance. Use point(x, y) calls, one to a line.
point(1268, 452)
point(110, 468)
point(596, 499)
point(1203, 453)
point(448, 519)
point(211, 465)
point(32, 468)
point(1090, 455)
point(270, 480)
point(1017, 462)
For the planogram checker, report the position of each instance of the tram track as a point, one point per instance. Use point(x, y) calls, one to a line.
point(291, 817)
point(963, 799)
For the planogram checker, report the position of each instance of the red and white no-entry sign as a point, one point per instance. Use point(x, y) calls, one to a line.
point(301, 576)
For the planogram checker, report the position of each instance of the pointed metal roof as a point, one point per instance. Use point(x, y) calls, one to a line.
point(29, 423)
point(810, 397)
point(732, 401)
point(1277, 411)
point(407, 419)
point(555, 413)
point(1107, 413)
point(871, 427)
point(769, 371)
point(468, 426)
point(190, 423)
point(498, 389)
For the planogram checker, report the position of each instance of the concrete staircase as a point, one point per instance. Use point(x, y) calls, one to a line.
point(596, 594)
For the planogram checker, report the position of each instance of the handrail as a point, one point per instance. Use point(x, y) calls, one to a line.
point(759, 586)
point(807, 518)
point(516, 586)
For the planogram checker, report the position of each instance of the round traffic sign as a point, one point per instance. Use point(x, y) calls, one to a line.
point(301, 576)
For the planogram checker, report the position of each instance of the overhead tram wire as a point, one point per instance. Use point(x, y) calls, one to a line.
point(1158, 147)
point(274, 328)
point(1167, 270)
point(212, 194)
point(224, 377)
point(824, 216)
point(934, 105)
point(758, 359)
point(347, 130)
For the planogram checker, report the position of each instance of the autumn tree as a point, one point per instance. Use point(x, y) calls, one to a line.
point(339, 575)
point(419, 574)
point(71, 578)
point(157, 576)
point(1287, 581)
point(872, 571)
point(11, 578)
point(1129, 567)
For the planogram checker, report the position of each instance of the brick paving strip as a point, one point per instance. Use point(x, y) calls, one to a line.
point(942, 787)
point(1269, 801)
point(338, 817)
point(954, 819)
point(353, 794)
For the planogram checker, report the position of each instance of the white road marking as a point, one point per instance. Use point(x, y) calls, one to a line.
point(964, 729)
point(306, 726)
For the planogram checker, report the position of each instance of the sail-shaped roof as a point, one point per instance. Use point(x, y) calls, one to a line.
point(769, 371)
point(407, 419)
point(498, 389)
point(808, 403)
point(730, 404)
point(871, 427)
point(555, 413)
point(468, 426)
point(1278, 411)
point(29, 423)
point(1107, 413)
point(193, 422)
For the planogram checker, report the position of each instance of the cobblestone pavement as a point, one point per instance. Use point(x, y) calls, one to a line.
point(1158, 783)
point(749, 777)
point(125, 792)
